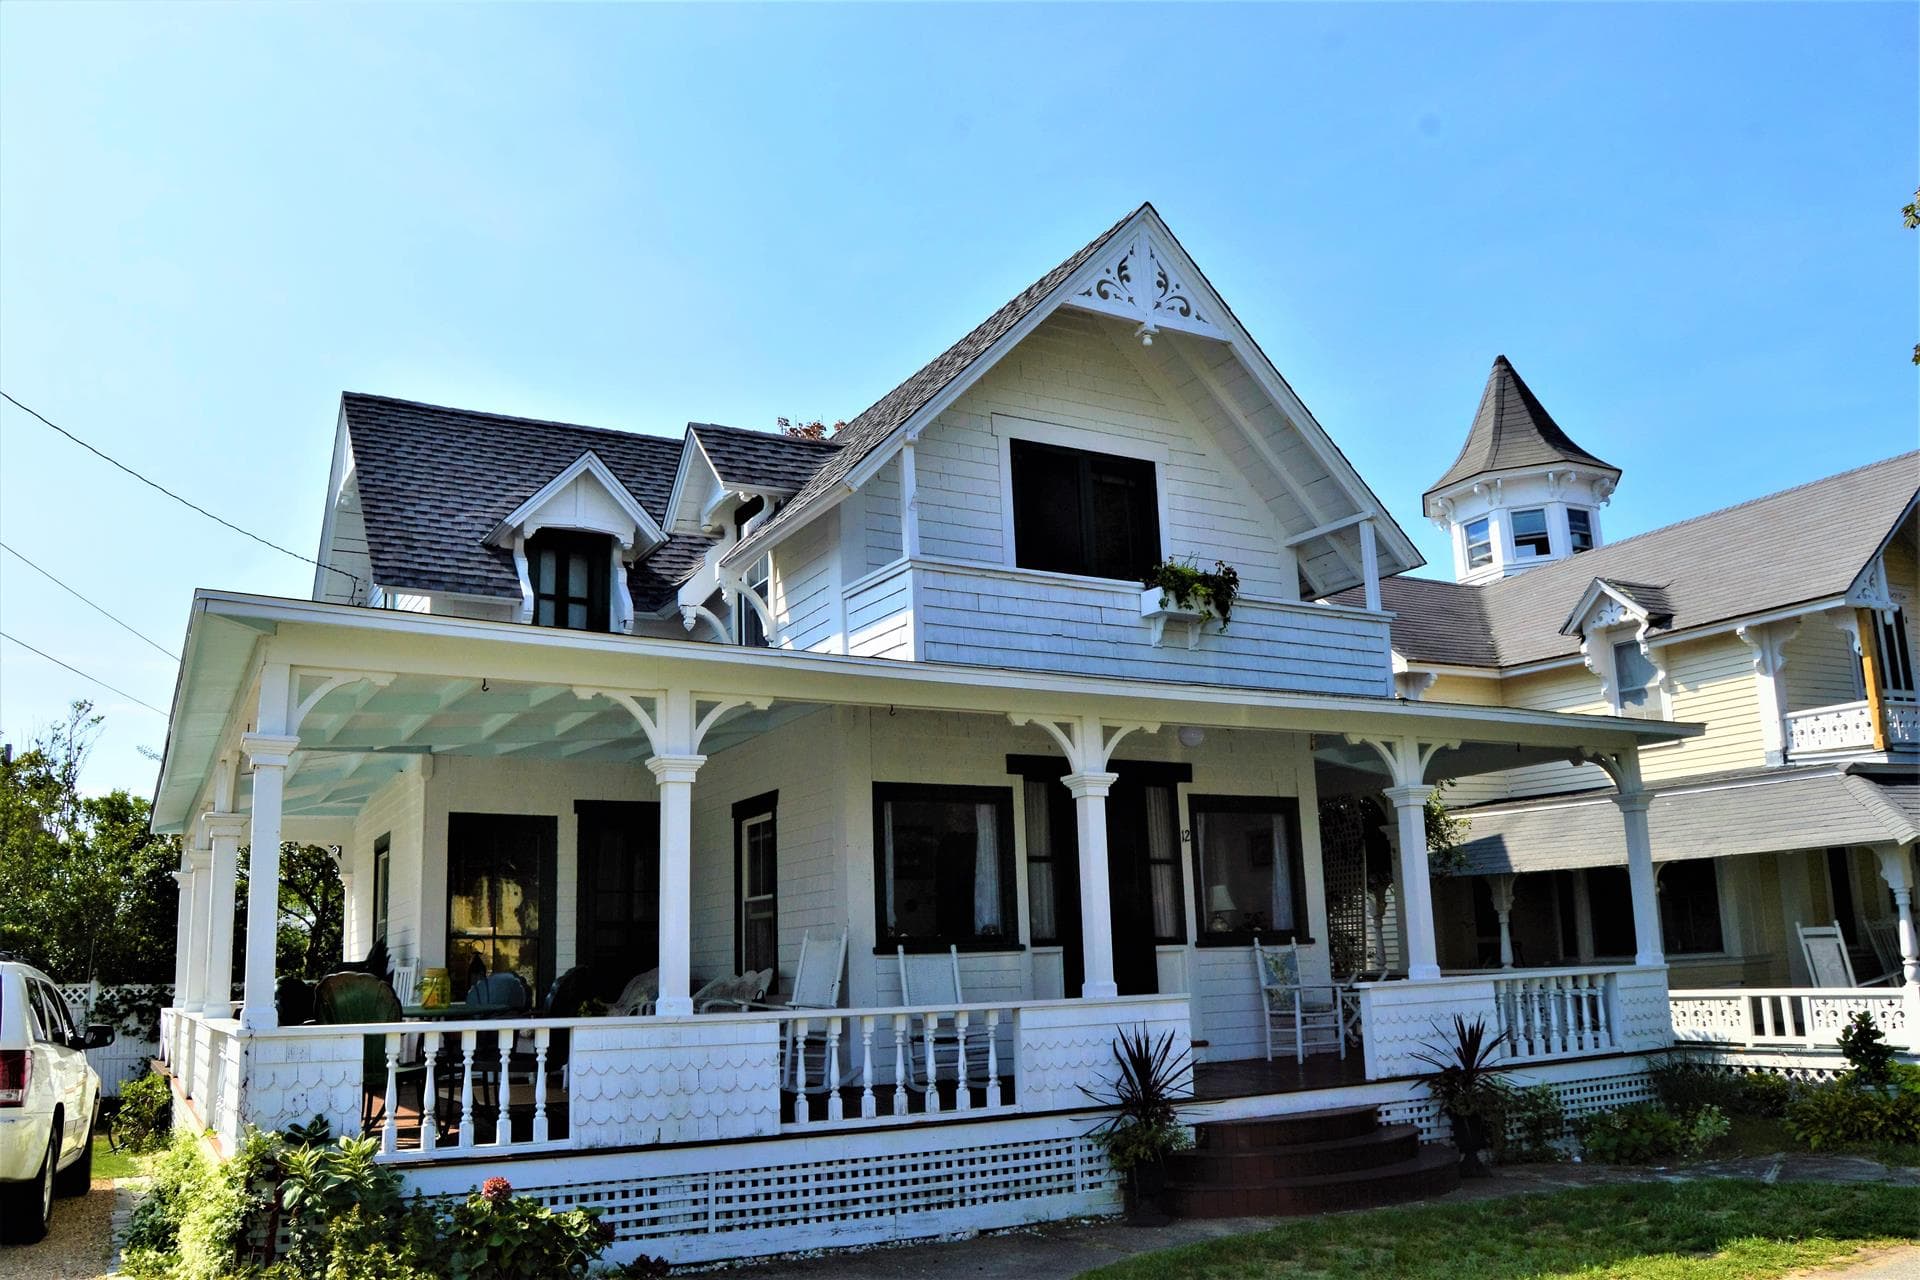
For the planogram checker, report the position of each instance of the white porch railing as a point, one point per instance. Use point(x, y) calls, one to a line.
point(1549, 1014)
point(1848, 726)
point(1791, 1017)
point(1556, 1013)
point(481, 1088)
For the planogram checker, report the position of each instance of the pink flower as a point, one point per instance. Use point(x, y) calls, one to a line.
point(495, 1190)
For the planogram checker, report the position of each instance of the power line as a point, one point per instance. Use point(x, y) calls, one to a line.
point(90, 604)
point(77, 671)
point(152, 484)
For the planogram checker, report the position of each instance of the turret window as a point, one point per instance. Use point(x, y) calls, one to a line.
point(570, 575)
point(1479, 543)
point(1580, 529)
point(1530, 540)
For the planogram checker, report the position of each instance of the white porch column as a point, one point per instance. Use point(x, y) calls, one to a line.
point(193, 942)
point(1416, 886)
point(1370, 565)
point(1649, 947)
point(1500, 889)
point(1096, 911)
point(224, 832)
point(182, 931)
point(675, 774)
point(1896, 868)
point(269, 755)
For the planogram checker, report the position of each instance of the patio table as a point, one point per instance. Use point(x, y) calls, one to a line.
point(441, 1012)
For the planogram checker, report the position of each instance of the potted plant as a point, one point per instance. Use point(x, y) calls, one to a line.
point(1468, 1089)
point(1182, 590)
point(1152, 1073)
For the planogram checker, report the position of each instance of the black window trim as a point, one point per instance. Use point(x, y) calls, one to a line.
point(382, 887)
point(1288, 807)
point(767, 805)
point(886, 944)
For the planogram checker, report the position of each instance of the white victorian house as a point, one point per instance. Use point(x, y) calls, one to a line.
point(890, 710)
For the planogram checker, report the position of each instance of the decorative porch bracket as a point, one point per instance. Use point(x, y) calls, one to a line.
point(1623, 766)
point(1406, 760)
point(1089, 748)
point(675, 721)
point(1769, 644)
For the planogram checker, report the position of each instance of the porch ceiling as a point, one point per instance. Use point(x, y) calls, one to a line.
point(461, 686)
point(1348, 767)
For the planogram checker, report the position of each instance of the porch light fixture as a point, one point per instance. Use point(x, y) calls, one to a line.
point(1192, 735)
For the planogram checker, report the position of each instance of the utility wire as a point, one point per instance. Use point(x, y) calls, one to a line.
point(77, 671)
point(90, 604)
point(151, 484)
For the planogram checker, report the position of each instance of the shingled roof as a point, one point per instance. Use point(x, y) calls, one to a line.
point(1788, 548)
point(1512, 429)
point(868, 431)
point(761, 459)
point(434, 481)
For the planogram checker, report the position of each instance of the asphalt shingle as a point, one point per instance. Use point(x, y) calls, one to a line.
point(761, 459)
point(1512, 429)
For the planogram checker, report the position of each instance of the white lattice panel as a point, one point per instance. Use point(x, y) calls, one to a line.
point(951, 1180)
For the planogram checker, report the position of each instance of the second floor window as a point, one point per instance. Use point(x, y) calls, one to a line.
point(570, 576)
point(1580, 529)
point(1090, 514)
point(1530, 541)
point(1636, 683)
point(1896, 655)
point(1479, 543)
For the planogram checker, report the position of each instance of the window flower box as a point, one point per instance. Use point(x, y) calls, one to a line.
point(1182, 593)
point(1158, 608)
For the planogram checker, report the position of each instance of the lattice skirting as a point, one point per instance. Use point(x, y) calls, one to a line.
point(704, 1204)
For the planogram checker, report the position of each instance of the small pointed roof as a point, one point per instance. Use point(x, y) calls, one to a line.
point(1512, 430)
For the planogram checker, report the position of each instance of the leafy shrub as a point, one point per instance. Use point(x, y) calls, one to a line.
point(1683, 1088)
point(1867, 1050)
point(1646, 1132)
point(1188, 586)
point(1531, 1121)
point(154, 1232)
point(1844, 1113)
point(145, 1114)
point(494, 1235)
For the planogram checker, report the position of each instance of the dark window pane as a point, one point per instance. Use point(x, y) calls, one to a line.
point(1083, 513)
point(1610, 900)
point(1635, 677)
point(1248, 868)
point(1479, 544)
point(1580, 529)
point(945, 863)
point(1690, 907)
point(1530, 534)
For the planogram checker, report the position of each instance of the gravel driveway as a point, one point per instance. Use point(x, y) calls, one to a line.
point(78, 1247)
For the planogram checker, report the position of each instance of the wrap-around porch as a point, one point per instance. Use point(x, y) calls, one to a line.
point(1076, 854)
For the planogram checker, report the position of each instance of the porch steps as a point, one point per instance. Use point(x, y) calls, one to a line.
point(1308, 1163)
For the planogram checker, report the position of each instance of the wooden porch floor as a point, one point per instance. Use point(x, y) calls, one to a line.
point(1255, 1076)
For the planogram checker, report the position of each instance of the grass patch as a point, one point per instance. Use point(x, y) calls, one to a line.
point(1718, 1230)
point(108, 1163)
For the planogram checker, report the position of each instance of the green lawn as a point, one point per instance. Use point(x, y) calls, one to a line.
point(108, 1163)
point(1663, 1231)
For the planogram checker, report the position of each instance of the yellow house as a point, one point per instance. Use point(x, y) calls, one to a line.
point(1784, 625)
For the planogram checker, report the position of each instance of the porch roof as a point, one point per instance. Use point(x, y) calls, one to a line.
point(1768, 811)
point(462, 686)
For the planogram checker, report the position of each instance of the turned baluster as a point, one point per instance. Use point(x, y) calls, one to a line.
point(541, 1038)
point(993, 1058)
point(467, 1043)
point(430, 1095)
point(868, 1107)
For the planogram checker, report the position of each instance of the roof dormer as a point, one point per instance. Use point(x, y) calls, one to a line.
point(1616, 622)
point(571, 544)
point(1521, 493)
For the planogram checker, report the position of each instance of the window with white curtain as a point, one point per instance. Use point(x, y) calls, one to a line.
point(943, 864)
point(1043, 913)
point(1248, 869)
point(1163, 864)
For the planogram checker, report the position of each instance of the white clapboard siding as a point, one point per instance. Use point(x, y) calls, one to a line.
point(880, 614)
point(1821, 669)
point(805, 612)
point(348, 550)
point(1013, 618)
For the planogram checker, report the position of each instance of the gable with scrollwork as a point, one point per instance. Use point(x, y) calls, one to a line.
point(1142, 281)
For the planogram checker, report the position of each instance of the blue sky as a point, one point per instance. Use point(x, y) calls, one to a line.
point(1680, 222)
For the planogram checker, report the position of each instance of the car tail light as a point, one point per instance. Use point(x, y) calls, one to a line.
point(14, 1066)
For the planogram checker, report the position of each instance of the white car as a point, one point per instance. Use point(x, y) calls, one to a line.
point(49, 1101)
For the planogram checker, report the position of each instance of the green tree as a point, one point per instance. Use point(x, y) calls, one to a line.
point(312, 913)
point(85, 889)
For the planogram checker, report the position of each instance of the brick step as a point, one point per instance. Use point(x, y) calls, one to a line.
point(1432, 1171)
point(1225, 1168)
point(1285, 1131)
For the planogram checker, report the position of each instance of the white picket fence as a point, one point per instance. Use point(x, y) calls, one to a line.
point(127, 1057)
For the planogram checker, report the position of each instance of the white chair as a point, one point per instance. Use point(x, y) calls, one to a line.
point(816, 985)
point(742, 991)
point(638, 996)
point(931, 981)
point(1828, 963)
point(1884, 933)
point(406, 981)
point(1312, 1014)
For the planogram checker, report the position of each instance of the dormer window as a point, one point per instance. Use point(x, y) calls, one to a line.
point(1479, 543)
point(1636, 682)
point(1530, 541)
point(570, 573)
point(1580, 529)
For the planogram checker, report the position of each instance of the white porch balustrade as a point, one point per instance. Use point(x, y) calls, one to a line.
point(1555, 1013)
point(1848, 726)
point(1792, 1017)
point(476, 1088)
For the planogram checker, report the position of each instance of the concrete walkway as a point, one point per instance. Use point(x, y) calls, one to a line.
point(1062, 1250)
